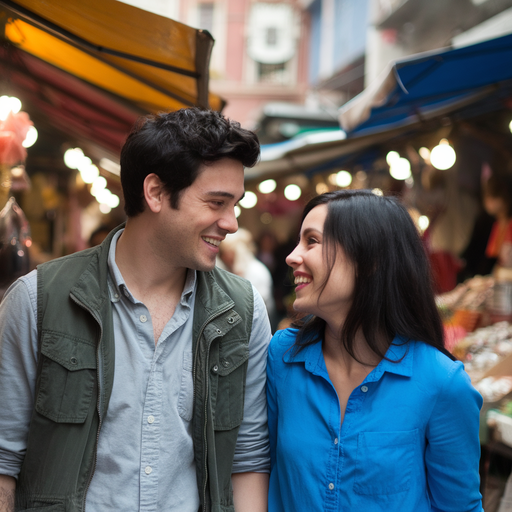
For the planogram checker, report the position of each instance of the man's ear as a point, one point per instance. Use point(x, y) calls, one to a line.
point(154, 192)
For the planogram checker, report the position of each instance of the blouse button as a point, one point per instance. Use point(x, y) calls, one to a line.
point(364, 389)
point(331, 486)
point(336, 440)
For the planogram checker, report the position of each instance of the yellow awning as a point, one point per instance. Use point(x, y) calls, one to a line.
point(153, 62)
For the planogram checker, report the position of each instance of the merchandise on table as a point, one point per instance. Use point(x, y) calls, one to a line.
point(484, 348)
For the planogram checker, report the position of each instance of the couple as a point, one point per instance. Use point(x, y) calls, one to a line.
point(134, 375)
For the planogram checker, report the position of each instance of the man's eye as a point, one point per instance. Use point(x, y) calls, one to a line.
point(218, 203)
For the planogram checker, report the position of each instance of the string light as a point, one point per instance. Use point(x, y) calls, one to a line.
point(443, 156)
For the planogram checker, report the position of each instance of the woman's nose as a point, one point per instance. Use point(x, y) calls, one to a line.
point(294, 258)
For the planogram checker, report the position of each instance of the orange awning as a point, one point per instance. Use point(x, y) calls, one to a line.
point(152, 62)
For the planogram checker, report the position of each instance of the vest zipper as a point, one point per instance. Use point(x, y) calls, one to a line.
point(205, 436)
point(98, 402)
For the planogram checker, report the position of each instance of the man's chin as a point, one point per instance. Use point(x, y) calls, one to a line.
point(205, 267)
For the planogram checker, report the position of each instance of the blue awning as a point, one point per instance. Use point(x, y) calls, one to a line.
point(432, 84)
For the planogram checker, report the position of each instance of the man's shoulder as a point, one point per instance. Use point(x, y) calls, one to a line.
point(69, 259)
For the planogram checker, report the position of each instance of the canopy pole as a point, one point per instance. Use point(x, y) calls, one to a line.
point(204, 45)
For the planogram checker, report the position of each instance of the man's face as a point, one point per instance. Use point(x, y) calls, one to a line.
point(191, 235)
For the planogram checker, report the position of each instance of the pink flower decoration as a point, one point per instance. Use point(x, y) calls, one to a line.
point(12, 134)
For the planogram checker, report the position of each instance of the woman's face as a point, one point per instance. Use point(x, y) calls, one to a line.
point(311, 271)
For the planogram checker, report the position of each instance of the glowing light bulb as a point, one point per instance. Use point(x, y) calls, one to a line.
point(103, 196)
point(423, 222)
point(104, 208)
point(443, 156)
point(238, 211)
point(113, 201)
point(83, 163)
point(292, 192)
point(249, 201)
point(267, 186)
point(391, 157)
point(89, 173)
point(424, 153)
point(97, 185)
point(30, 138)
point(72, 157)
point(343, 179)
point(321, 188)
point(400, 169)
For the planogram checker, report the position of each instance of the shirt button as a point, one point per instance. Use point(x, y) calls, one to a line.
point(151, 419)
point(148, 470)
point(364, 389)
point(336, 440)
point(116, 295)
point(215, 369)
point(143, 318)
point(331, 486)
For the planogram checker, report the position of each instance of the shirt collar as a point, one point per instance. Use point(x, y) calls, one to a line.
point(398, 360)
point(117, 285)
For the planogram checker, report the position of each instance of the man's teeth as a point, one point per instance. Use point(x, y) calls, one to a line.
point(211, 241)
point(302, 279)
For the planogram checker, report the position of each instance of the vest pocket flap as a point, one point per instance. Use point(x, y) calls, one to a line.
point(232, 354)
point(70, 352)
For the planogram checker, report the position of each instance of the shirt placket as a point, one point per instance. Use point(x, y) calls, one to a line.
point(339, 435)
point(151, 421)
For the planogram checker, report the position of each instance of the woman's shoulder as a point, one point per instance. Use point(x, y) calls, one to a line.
point(436, 367)
point(282, 342)
point(284, 339)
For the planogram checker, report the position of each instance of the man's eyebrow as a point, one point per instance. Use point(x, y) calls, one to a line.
point(223, 193)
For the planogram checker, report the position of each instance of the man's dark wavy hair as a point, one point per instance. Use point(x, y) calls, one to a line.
point(393, 293)
point(174, 146)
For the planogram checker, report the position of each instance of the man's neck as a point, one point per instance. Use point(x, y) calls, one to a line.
point(144, 272)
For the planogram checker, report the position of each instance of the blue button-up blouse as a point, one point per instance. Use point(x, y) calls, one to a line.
point(408, 442)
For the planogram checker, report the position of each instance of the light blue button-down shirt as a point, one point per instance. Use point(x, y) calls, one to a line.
point(408, 442)
point(145, 458)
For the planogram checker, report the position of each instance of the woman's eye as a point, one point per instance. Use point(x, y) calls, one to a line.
point(312, 241)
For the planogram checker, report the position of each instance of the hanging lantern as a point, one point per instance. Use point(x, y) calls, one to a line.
point(443, 156)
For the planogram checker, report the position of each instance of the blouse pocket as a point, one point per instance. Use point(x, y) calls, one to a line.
point(68, 378)
point(185, 398)
point(384, 462)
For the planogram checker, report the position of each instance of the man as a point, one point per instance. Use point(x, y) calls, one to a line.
point(133, 373)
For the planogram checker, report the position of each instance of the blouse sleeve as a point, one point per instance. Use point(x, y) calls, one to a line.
point(453, 447)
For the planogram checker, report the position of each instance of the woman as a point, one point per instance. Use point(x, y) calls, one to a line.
point(367, 410)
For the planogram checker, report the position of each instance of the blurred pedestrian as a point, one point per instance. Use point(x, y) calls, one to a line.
point(237, 253)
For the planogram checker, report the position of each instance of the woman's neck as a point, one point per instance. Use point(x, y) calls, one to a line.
point(334, 349)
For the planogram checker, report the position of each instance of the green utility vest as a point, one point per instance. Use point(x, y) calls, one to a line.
point(76, 372)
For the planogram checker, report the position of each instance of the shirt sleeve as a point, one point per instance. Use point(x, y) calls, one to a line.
point(18, 369)
point(272, 405)
point(252, 446)
point(453, 450)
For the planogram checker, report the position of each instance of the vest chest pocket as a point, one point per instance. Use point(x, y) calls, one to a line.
point(228, 383)
point(68, 378)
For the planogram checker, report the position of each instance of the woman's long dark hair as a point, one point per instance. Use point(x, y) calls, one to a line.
point(393, 293)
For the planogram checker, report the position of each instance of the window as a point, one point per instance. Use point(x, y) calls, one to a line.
point(205, 16)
